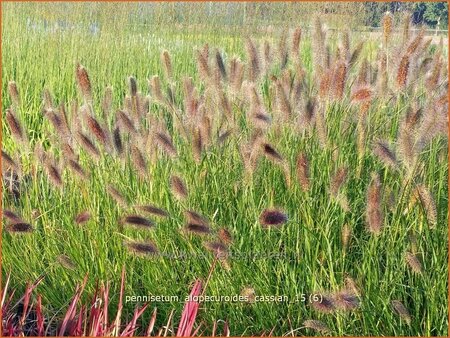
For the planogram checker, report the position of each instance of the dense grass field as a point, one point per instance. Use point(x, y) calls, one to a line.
point(345, 137)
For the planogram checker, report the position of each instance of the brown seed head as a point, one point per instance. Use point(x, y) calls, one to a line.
point(178, 187)
point(272, 217)
point(84, 84)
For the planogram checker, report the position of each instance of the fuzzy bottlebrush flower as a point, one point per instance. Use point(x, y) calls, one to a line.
point(178, 187)
point(15, 127)
point(271, 153)
point(219, 249)
point(77, 169)
point(84, 83)
point(338, 180)
point(66, 262)
point(283, 52)
point(346, 300)
point(254, 69)
point(97, 130)
point(197, 229)
point(387, 24)
point(402, 72)
point(117, 140)
point(142, 248)
point(356, 53)
point(12, 216)
point(406, 23)
point(203, 66)
point(325, 84)
point(139, 161)
point(267, 52)
point(351, 286)
point(53, 173)
point(88, 145)
point(197, 144)
point(282, 100)
point(296, 37)
point(428, 203)
point(318, 45)
point(413, 262)
point(19, 228)
point(14, 94)
point(401, 310)
point(155, 88)
point(83, 217)
point(116, 195)
point(249, 294)
point(316, 325)
point(406, 146)
point(414, 45)
point(167, 64)
point(236, 75)
point(374, 213)
point(362, 95)
point(340, 76)
point(272, 217)
point(137, 221)
point(225, 236)
point(151, 209)
point(8, 162)
point(323, 303)
point(69, 152)
point(107, 101)
point(384, 153)
point(165, 143)
point(196, 218)
point(363, 74)
point(346, 235)
point(221, 65)
point(125, 122)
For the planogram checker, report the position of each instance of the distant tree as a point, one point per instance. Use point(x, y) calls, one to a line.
point(436, 14)
point(433, 14)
